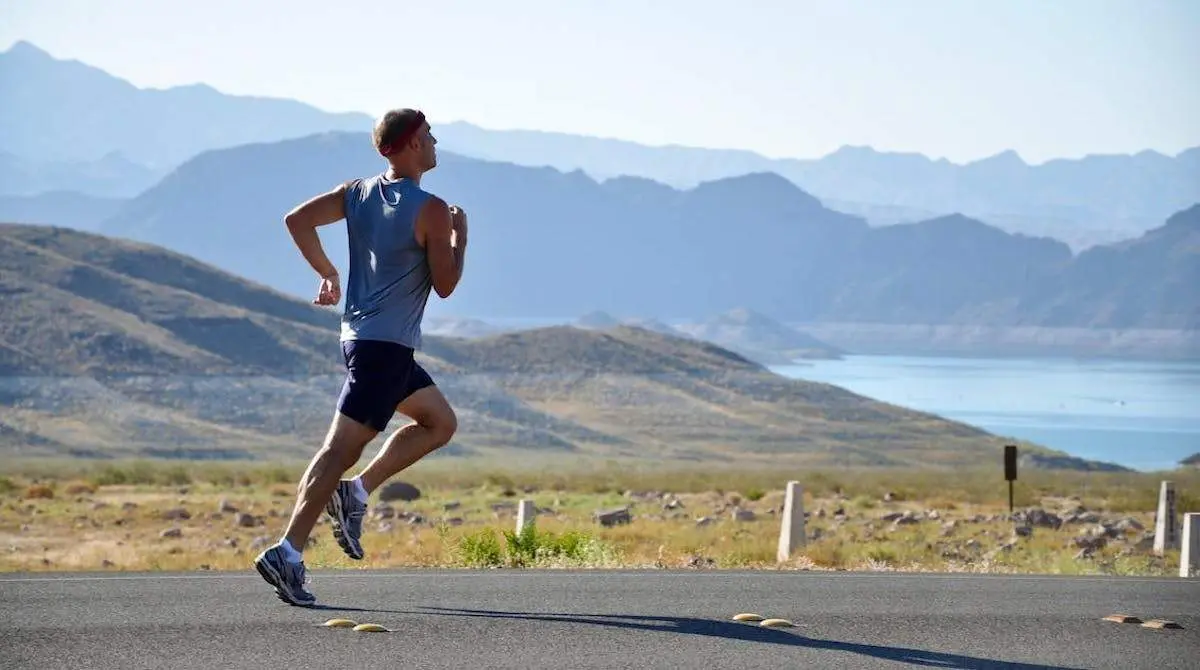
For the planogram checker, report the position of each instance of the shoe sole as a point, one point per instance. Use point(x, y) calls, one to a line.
point(334, 510)
point(272, 577)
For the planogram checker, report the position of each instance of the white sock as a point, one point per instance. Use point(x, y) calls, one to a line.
point(360, 491)
point(289, 552)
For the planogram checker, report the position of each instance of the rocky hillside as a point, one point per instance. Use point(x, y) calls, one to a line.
point(109, 347)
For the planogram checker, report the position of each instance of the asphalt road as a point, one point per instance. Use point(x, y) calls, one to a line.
point(595, 619)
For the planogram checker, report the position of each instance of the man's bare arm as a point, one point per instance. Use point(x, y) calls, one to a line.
point(445, 254)
point(303, 221)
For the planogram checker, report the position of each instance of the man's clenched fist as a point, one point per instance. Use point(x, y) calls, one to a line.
point(458, 220)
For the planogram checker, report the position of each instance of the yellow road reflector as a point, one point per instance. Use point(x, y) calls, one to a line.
point(1122, 618)
point(370, 628)
point(340, 623)
point(747, 616)
point(1161, 623)
point(776, 623)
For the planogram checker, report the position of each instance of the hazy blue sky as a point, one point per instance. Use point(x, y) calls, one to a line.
point(961, 79)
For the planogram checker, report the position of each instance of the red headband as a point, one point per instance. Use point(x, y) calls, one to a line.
point(412, 128)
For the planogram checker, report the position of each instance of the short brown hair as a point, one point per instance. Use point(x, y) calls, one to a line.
point(395, 128)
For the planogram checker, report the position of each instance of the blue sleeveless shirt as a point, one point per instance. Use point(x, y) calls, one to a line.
point(388, 284)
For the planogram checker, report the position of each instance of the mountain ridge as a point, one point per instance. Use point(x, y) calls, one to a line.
point(754, 241)
point(1097, 198)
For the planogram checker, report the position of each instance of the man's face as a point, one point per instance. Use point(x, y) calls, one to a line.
point(428, 147)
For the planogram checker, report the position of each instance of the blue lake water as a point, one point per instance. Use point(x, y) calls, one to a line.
point(1143, 415)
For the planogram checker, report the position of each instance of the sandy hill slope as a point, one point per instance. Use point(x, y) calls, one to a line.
point(110, 348)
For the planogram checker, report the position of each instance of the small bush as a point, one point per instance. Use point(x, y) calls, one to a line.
point(530, 548)
point(534, 547)
point(79, 488)
point(480, 549)
point(7, 486)
point(755, 494)
point(39, 491)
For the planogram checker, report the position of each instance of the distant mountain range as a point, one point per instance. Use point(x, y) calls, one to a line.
point(139, 134)
point(109, 348)
point(548, 243)
point(1085, 201)
point(64, 110)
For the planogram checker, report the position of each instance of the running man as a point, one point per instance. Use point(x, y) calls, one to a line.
point(403, 242)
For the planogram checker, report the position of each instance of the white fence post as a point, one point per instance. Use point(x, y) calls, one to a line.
point(1189, 558)
point(1165, 524)
point(525, 513)
point(791, 530)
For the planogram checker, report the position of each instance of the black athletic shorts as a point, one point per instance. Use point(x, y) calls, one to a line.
point(379, 376)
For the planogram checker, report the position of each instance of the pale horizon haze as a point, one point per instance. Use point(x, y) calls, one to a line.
point(960, 80)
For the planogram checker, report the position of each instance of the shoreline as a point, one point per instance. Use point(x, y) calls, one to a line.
point(1068, 413)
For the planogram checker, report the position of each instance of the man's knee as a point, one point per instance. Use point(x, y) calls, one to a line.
point(430, 409)
point(346, 440)
point(442, 425)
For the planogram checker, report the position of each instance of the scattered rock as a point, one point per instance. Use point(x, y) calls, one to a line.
point(1129, 524)
point(399, 491)
point(172, 532)
point(1023, 531)
point(1082, 517)
point(226, 507)
point(700, 562)
point(1090, 542)
point(1104, 530)
point(260, 542)
point(933, 515)
point(904, 519)
point(613, 517)
point(176, 514)
point(245, 520)
point(383, 512)
point(704, 521)
point(231, 542)
point(451, 505)
point(1038, 517)
point(740, 514)
point(889, 497)
point(99, 505)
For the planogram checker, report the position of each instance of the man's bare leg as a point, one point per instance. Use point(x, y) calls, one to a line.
point(282, 564)
point(434, 423)
point(343, 447)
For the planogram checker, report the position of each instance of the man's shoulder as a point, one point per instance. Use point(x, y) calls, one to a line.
point(431, 203)
point(361, 183)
